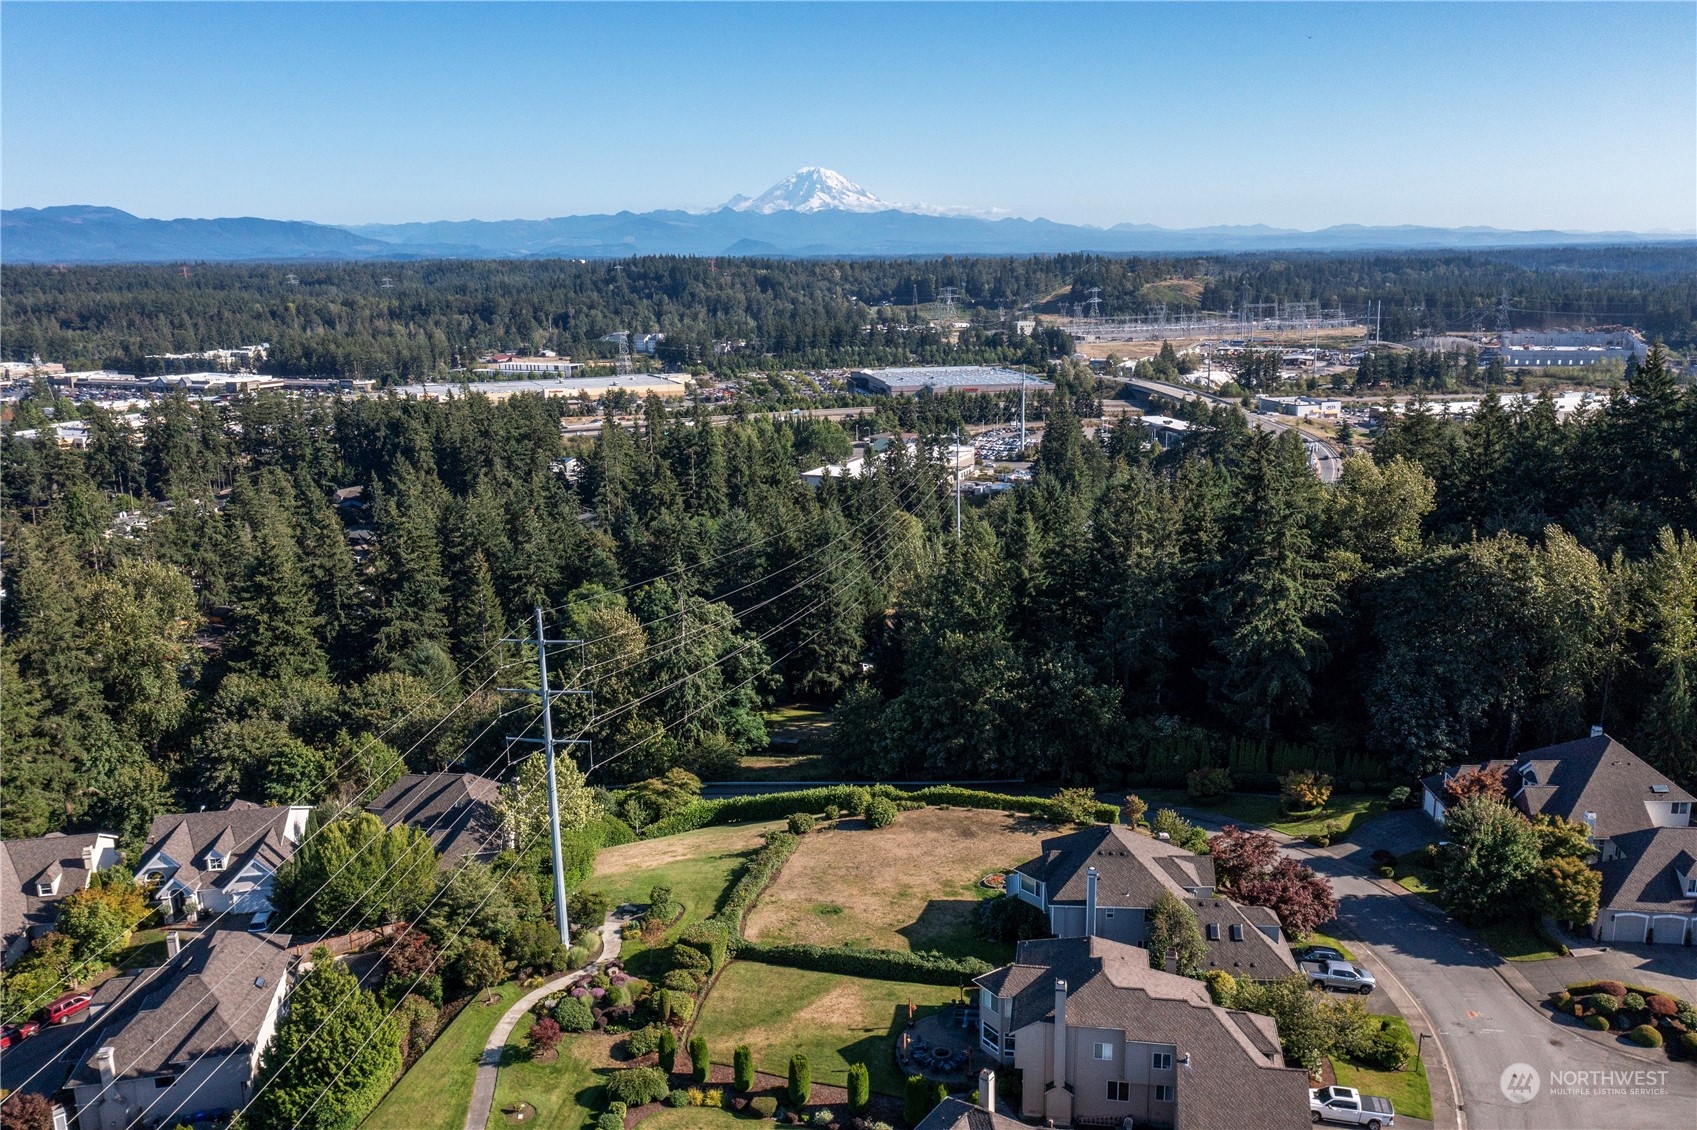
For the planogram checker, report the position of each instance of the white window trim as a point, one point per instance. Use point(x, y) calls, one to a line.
point(1103, 1052)
point(43, 890)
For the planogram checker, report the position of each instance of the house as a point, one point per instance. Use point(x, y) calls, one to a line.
point(1594, 781)
point(222, 861)
point(456, 810)
point(36, 873)
point(1100, 1038)
point(1101, 881)
point(1650, 888)
point(188, 1036)
point(958, 1114)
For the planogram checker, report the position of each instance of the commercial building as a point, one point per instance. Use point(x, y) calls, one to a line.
point(941, 379)
point(1559, 350)
point(564, 366)
point(1167, 431)
point(574, 388)
point(1301, 407)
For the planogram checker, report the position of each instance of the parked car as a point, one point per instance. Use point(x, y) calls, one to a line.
point(1344, 976)
point(12, 1033)
point(1319, 953)
point(1350, 1107)
point(65, 1007)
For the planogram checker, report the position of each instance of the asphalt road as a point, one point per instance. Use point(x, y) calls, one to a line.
point(1329, 463)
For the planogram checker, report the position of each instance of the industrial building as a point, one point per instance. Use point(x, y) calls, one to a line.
point(1559, 350)
point(1165, 430)
point(1302, 407)
point(578, 388)
point(940, 379)
point(564, 366)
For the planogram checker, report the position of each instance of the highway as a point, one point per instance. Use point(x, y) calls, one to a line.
point(1327, 461)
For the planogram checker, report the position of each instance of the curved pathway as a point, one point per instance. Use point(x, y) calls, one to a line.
point(489, 1064)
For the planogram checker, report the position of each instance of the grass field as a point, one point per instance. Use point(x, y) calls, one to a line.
point(1319, 939)
point(833, 1020)
point(697, 866)
point(564, 1092)
point(436, 1093)
point(910, 886)
point(691, 1118)
point(1349, 810)
point(1518, 941)
point(1408, 1090)
point(1423, 881)
point(146, 948)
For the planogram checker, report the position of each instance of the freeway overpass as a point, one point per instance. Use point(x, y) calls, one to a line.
point(1324, 457)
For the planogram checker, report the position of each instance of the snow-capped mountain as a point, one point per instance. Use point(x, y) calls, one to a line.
point(812, 189)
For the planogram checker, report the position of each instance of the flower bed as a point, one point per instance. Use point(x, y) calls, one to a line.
point(1647, 1017)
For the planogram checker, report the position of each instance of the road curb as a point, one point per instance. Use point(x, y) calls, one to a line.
point(1516, 980)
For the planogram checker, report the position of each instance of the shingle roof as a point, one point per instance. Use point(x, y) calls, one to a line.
point(958, 1114)
point(455, 809)
point(243, 834)
point(1254, 954)
point(211, 998)
point(1645, 877)
point(25, 862)
point(1131, 869)
point(1235, 1074)
point(1591, 775)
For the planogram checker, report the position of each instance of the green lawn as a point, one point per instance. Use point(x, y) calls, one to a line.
point(1348, 810)
point(146, 948)
point(1318, 939)
point(691, 1118)
point(436, 1093)
point(564, 1092)
point(1518, 941)
point(1408, 1090)
point(831, 1019)
point(1423, 881)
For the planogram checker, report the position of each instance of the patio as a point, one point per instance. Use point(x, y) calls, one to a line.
point(940, 1047)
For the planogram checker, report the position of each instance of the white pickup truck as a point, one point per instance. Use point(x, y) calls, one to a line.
point(1350, 1107)
point(1344, 976)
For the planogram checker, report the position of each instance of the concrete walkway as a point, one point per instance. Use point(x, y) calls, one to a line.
point(489, 1064)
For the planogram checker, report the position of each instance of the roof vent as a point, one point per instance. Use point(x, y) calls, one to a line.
point(259, 982)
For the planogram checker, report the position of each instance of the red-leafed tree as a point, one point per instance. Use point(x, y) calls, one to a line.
point(1470, 783)
point(1240, 855)
point(411, 955)
point(1302, 900)
point(545, 1035)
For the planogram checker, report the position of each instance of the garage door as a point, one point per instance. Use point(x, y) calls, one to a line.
point(1628, 928)
point(1668, 930)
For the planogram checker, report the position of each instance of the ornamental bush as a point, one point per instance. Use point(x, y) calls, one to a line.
point(677, 1097)
point(1688, 1043)
point(1222, 986)
point(742, 1066)
point(1645, 1036)
point(1597, 1022)
point(859, 1087)
point(1389, 1050)
point(701, 1064)
point(1604, 1004)
point(800, 823)
point(880, 813)
point(1660, 1005)
point(1561, 998)
point(801, 1080)
point(824, 1116)
point(668, 1049)
point(574, 1014)
point(635, 1086)
point(1632, 1002)
point(1207, 785)
point(924, 968)
point(916, 1100)
point(764, 1105)
point(644, 1040)
point(682, 981)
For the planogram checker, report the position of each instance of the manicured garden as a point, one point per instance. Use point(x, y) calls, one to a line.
point(436, 1093)
point(1409, 1090)
point(913, 885)
point(832, 1019)
point(1647, 1017)
point(564, 1092)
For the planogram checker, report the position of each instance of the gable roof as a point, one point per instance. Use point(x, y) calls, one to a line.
point(23, 863)
point(242, 834)
point(1235, 1075)
point(1131, 868)
point(958, 1114)
point(456, 810)
point(1590, 775)
point(1645, 876)
point(1254, 955)
point(212, 998)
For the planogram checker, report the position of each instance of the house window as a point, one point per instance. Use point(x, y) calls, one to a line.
point(42, 890)
point(1163, 1093)
point(991, 1037)
point(1007, 1043)
point(1213, 931)
point(1110, 914)
point(1682, 808)
point(214, 863)
point(1102, 1051)
point(1119, 1091)
point(1161, 1061)
point(160, 1082)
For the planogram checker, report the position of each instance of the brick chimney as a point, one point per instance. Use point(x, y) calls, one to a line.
point(1090, 903)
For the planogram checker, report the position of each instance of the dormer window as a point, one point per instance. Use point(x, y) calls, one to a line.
point(1682, 808)
point(43, 890)
point(215, 863)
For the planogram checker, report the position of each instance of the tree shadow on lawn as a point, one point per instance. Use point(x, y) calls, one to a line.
point(950, 926)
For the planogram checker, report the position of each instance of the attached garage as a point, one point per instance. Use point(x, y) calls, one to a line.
point(1625, 926)
point(1668, 929)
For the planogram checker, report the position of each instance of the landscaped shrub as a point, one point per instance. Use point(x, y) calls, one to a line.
point(613, 1118)
point(701, 1064)
point(1613, 988)
point(713, 1098)
point(887, 965)
point(800, 823)
point(1208, 785)
point(1632, 1002)
point(880, 813)
point(576, 958)
point(939, 1094)
point(742, 1067)
point(574, 1014)
point(1688, 1043)
point(644, 1040)
point(824, 1116)
point(833, 812)
point(1645, 1036)
point(1561, 998)
point(677, 1097)
point(757, 873)
point(1386, 872)
point(1597, 1022)
point(668, 1049)
point(1304, 790)
point(1399, 796)
point(1388, 1050)
point(765, 1106)
point(859, 1087)
point(1660, 1005)
point(682, 981)
point(711, 938)
point(916, 1100)
point(1222, 986)
point(1132, 810)
point(1604, 1004)
point(635, 1086)
point(801, 1079)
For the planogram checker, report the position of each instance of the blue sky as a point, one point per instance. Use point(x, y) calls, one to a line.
point(1550, 115)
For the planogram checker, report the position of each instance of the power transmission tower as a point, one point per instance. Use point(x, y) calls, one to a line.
point(550, 746)
point(1095, 302)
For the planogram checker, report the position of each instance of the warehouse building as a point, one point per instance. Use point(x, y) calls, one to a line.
point(575, 388)
point(941, 379)
point(1560, 350)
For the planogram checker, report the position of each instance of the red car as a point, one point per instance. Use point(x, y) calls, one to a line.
point(65, 1007)
point(12, 1033)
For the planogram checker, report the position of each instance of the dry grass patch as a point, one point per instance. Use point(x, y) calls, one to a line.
point(910, 886)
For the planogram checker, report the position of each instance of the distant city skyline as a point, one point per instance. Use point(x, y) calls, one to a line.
point(1565, 116)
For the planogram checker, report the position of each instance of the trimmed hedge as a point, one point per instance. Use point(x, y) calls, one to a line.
point(711, 938)
point(884, 965)
point(1645, 1036)
point(756, 874)
point(1597, 1022)
point(852, 799)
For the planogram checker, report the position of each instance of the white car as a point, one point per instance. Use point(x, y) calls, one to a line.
point(1350, 1107)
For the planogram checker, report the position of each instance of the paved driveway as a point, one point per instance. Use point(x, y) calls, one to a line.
point(1485, 1027)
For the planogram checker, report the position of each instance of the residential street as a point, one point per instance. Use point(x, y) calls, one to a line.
point(1483, 1024)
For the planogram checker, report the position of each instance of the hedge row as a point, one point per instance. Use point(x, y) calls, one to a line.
point(884, 965)
point(759, 871)
point(851, 799)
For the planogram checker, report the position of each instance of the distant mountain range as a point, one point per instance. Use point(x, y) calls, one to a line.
point(813, 213)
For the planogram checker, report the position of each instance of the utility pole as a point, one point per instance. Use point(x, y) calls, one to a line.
point(1022, 409)
point(954, 457)
point(550, 747)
